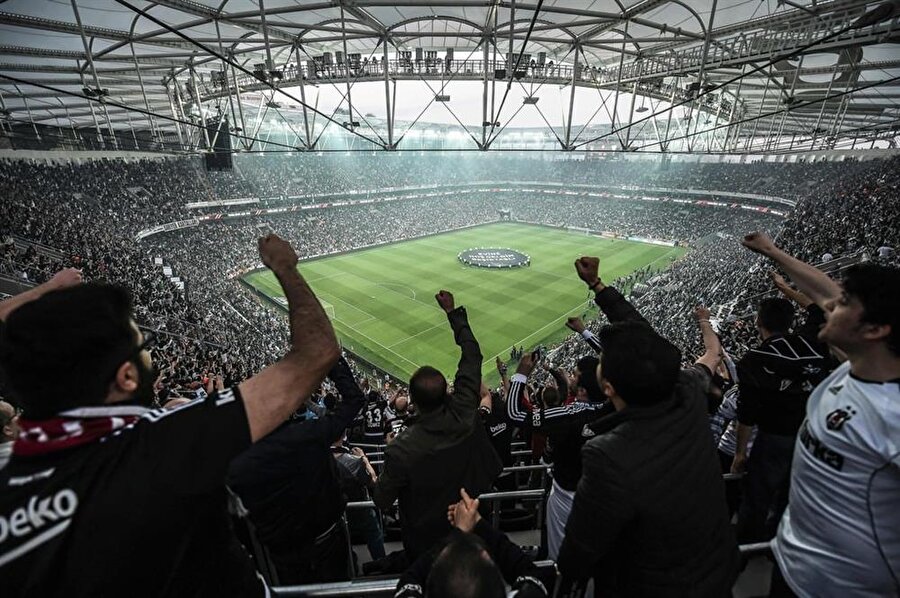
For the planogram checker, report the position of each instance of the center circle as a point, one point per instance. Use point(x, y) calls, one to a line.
point(494, 257)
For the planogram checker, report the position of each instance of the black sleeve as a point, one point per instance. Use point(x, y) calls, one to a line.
point(512, 562)
point(331, 426)
point(467, 384)
point(616, 308)
point(187, 450)
point(593, 342)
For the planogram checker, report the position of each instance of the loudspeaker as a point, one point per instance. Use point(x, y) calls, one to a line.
point(220, 156)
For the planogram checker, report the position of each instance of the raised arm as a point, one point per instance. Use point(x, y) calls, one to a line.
point(467, 382)
point(809, 280)
point(517, 384)
point(610, 301)
point(277, 391)
point(330, 427)
point(792, 294)
point(562, 383)
point(577, 325)
point(63, 279)
point(502, 369)
point(712, 353)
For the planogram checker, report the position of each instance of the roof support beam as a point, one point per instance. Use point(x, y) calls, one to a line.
point(211, 14)
point(65, 27)
point(97, 88)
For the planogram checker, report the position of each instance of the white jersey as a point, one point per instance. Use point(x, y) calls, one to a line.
point(840, 535)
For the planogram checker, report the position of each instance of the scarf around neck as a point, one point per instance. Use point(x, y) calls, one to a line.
point(73, 428)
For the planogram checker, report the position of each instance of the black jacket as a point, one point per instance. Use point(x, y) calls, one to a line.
point(649, 516)
point(288, 481)
point(442, 451)
point(777, 377)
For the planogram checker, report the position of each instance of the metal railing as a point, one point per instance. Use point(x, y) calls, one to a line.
point(386, 586)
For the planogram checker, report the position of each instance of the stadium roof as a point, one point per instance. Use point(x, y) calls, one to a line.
point(768, 74)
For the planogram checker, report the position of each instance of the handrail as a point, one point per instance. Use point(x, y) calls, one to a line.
point(487, 496)
point(757, 549)
point(538, 467)
point(387, 585)
point(341, 588)
point(361, 587)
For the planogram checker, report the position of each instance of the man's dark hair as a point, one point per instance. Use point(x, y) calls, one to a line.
point(427, 388)
point(587, 379)
point(61, 351)
point(641, 365)
point(775, 314)
point(463, 569)
point(878, 289)
point(550, 397)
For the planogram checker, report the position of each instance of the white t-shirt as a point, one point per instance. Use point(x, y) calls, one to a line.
point(840, 535)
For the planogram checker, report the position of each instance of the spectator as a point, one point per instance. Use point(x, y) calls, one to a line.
point(357, 477)
point(473, 561)
point(840, 535)
point(98, 461)
point(649, 516)
point(775, 381)
point(288, 483)
point(563, 426)
point(396, 416)
point(9, 430)
point(444, 450)
point(375, 420)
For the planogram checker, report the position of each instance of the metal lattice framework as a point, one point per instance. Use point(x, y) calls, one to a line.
point(745, 76)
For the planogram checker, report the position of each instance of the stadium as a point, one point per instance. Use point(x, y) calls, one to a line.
point(450, 297)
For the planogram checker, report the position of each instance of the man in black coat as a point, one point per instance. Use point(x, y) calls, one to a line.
point(290, 485)
point(649, 516)
point(445, 449)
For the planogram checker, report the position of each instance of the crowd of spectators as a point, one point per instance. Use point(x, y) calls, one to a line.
point(212, 333)
point(85, 210)
point(275, 176)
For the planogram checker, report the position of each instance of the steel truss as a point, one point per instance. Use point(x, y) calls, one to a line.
point(733, 88)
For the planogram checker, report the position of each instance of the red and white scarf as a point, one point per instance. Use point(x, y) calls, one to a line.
point(73, 428)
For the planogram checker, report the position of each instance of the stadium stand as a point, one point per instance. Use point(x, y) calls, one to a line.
point(213, 333)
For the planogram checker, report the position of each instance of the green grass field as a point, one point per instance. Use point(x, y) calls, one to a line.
point(381, 300)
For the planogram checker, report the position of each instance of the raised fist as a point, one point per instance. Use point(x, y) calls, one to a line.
point(588, 269)
point(778, 280)
point(701, 312)
point(759, 242)
point(69, 277)
point(445, 300)
point(575, 324)
point(526, 364)
point(277, 254)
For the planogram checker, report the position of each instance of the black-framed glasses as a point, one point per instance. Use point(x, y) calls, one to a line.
point(150, 338)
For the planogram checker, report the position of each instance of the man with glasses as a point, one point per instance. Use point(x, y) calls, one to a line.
point(105, 497)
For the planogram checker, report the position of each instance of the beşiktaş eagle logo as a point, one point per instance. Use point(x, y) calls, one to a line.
point(837, 418)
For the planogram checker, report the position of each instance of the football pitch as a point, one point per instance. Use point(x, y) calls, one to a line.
point(381, 300)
